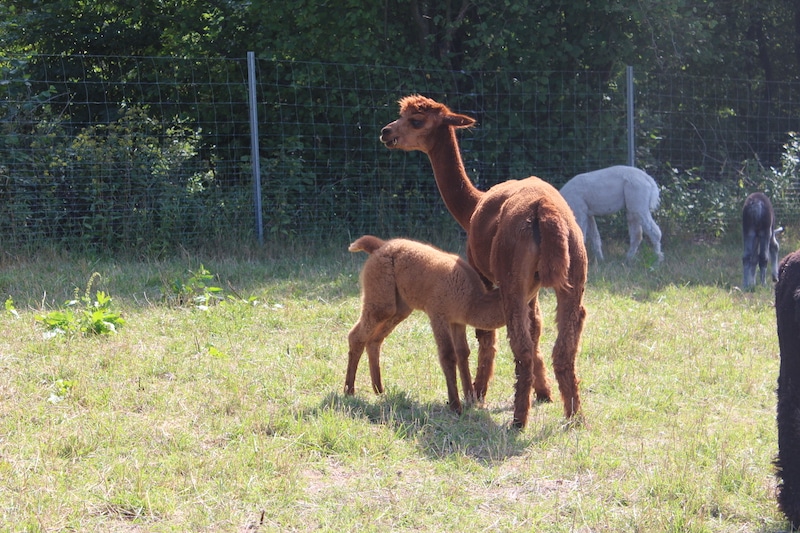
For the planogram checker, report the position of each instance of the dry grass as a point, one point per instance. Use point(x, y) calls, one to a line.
point(232, 419)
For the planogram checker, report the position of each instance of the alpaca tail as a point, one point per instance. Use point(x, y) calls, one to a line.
point(367, 243)
point(654, 194)
point(554, 252)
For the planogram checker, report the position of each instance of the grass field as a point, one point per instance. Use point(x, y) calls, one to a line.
point(231, 418)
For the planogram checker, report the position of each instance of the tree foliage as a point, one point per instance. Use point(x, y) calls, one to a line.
point(497, 58)
point(737, 38)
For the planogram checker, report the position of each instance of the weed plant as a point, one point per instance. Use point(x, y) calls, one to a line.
point(84, 315)
point(232, 418)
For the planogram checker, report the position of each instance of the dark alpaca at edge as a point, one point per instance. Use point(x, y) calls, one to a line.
point(759, 238)
point(787, 311)
point(402, 275)
point(521, 236)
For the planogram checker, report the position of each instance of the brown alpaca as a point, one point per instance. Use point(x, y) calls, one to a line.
point(402, 275)
point(521, 235)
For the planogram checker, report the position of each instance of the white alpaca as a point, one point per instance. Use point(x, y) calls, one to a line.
point(606, 191)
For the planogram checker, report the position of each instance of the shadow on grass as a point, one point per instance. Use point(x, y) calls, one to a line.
point(438, 432)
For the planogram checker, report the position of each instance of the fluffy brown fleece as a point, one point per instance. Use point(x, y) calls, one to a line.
point(521, 236)
point(402, 275)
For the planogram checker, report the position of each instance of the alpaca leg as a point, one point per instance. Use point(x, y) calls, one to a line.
point(357, 342)
point(526, 351)
point(763, 250)
point(487, 351)
point(593, 236)
point(749, 261)
point(375, 342)
point(522, 347)
point(447, 360)
point(458, 332)
point(364, 333)
point(540, 383)
point(374, 325)
point(570, 316)
point(634, 232)
point(653, 233)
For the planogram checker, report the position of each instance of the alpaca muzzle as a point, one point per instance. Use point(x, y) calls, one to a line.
point(387, 139)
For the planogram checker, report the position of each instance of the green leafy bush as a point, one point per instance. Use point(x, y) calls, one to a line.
point(691, 205)
point(132, 181)
point(84, 315)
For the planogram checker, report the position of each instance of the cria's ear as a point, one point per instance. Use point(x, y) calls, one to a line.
point(458, 121)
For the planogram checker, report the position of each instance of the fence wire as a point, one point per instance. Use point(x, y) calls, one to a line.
point(154, 153)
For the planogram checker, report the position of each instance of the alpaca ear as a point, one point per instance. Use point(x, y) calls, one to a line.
point(459, 121)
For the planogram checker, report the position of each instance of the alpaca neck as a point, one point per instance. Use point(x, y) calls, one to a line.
point(459, 194)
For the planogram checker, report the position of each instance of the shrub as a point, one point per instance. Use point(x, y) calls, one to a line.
point(84, 315)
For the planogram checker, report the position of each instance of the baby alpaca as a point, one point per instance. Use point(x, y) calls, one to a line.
point(400, 276)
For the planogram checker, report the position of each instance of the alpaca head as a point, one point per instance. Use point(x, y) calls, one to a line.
point(420, 123)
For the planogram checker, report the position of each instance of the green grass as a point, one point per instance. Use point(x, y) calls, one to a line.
point(232, 418)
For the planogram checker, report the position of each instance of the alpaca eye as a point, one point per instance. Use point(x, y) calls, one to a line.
point(416, 123)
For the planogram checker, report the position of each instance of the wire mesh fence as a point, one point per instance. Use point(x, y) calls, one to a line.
point(151, 153)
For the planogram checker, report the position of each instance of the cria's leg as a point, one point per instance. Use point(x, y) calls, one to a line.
point(370, 331)
point(458, 332)
point(447, 360)
point(374, 346)
point(357, 341)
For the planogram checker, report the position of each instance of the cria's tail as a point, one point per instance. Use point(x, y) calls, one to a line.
point(367, 243)
point(554, 259)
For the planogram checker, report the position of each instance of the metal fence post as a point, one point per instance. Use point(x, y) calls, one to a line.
point(254, 154)
point(631, 148)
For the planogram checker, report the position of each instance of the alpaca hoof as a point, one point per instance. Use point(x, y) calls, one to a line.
point(456, 408)
point(349, 390)
point(473, 400)
point(518, 425)
point(543, 398)
point(480, 391)
point(577, 420)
